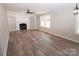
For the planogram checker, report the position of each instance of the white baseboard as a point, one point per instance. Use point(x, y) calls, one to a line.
point(61, 36)
point(65, 37)
point(32, 28)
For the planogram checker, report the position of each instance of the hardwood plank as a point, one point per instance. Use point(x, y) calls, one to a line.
point(39, 43)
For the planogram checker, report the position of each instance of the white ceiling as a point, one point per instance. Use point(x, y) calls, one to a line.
point(40, 7)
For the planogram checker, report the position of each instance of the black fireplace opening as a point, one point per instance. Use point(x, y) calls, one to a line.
point(23, 26)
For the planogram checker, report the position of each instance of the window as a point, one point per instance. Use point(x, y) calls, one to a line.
point(45, 21)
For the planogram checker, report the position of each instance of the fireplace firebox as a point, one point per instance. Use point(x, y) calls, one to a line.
point(23, 26)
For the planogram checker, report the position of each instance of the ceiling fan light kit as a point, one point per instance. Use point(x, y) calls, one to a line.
point(76, 10)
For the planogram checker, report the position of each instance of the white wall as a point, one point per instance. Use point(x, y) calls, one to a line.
point(4, 33)
point(63, 24)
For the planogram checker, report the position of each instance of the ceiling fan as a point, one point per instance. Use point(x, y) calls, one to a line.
point(29, 12)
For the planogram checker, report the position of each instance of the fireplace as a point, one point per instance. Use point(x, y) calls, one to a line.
point(23, 26)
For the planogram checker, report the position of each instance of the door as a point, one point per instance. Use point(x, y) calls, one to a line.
point(32, 22)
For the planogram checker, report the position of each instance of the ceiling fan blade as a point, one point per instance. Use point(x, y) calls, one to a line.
point(32, 12)
point(29, 12)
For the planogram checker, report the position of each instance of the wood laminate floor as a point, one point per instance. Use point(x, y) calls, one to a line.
point(39, 43)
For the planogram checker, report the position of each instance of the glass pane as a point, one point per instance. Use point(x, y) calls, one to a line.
point(42, 19)
point(42, 24)
point(47, 24)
